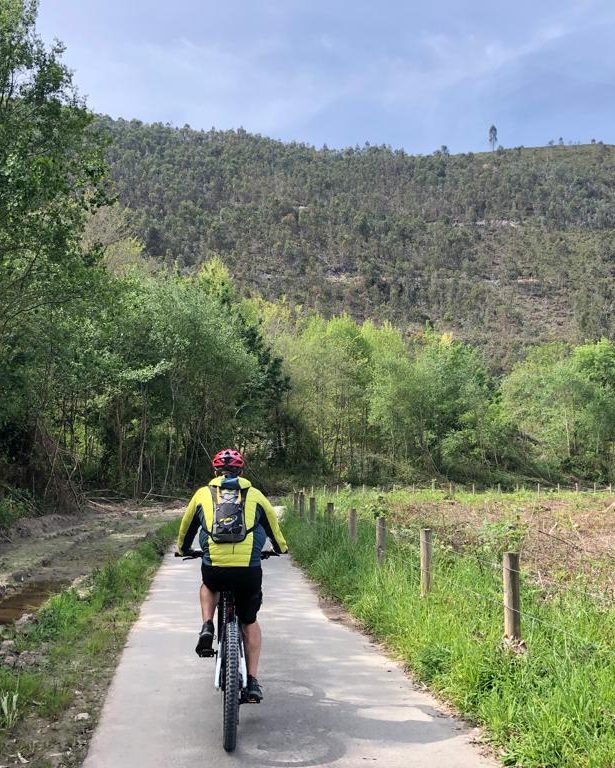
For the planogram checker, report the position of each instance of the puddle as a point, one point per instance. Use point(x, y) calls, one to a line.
point(28, 599)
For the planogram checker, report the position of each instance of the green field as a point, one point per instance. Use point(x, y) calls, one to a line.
point(552, 706)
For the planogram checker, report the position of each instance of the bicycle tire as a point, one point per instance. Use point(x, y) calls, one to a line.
point(231, 685)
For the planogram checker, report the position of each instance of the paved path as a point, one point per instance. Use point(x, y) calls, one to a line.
point(331, 698)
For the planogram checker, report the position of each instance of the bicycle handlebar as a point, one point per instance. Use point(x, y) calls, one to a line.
point(194, 553)
point(265, 554)
point(191, 555)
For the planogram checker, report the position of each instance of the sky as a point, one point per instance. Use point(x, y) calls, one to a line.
point(412, 74)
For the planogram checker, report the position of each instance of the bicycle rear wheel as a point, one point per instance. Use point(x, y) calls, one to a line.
point(231, 685)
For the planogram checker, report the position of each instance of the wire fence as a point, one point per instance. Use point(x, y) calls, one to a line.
point(452, 488)
point(436, 564)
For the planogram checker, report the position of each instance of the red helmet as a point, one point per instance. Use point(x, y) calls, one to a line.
point(228, 459)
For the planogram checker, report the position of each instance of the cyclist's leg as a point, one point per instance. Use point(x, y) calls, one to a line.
point(209, 601)
point(209, 591)
point(208, 598)
point(248, 600)
point(252, 643)
point(253, 640)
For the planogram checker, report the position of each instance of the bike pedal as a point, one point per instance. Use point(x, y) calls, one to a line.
point(205, 653)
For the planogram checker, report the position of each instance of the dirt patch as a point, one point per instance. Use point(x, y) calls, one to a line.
point(63, 741)
point(564, 540)
point(76, 672)
point(42, 555)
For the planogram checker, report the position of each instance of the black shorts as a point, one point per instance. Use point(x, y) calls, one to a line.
point(244, 583)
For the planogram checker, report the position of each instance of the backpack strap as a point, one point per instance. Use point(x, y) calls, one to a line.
point(214, 490)
point(215, 495)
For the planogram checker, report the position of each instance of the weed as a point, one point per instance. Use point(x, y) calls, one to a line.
point(504, 535)
point(8, 708)
point(432, 661)
point(13, 506)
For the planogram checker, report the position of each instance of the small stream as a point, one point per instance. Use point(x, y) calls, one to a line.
point(28, 599)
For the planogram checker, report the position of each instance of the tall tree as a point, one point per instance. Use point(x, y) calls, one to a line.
point(50, 170)
point(51, 176)
point(493, 137)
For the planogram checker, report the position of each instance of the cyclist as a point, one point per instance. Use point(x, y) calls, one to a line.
point(231, 555)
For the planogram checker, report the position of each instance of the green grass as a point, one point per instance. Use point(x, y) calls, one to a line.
point(552, 707)
point(14, 505)
point(82, 634)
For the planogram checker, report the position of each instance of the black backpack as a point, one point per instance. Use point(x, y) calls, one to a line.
point(229, 523)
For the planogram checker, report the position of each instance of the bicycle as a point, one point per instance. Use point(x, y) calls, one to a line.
point(231, 672)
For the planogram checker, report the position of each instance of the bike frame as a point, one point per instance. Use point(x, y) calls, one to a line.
point(226, 614)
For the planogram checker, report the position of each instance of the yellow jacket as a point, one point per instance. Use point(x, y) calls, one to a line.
point(259, 514)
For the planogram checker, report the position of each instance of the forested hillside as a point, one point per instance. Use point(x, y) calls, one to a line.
point(503, 248)
point(138, 338)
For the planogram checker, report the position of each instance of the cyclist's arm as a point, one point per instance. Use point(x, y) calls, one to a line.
point(269, 521)
point(188, 528)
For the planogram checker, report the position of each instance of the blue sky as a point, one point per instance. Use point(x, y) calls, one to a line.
point(410, 74)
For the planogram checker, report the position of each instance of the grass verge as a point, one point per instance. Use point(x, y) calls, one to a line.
point(551, 707)
point(74, 642)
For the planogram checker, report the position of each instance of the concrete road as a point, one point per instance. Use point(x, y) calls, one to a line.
point(331, 698)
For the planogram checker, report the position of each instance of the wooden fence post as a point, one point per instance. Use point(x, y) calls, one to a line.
point(380, 540)
point(512, 596)
point(301, 505)
point(594, 487)
point(352, 525)
point(538, 489)
point(312, 509)
point(329, 511)
point(473, 487)
point(433, 485)
point(426, 558)
point(558, 487)
point(576, 487)
point(295, 502)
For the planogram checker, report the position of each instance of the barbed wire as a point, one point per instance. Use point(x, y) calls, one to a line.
point(495, 599)
point(501, 567)
point(444, 549)
point(454, 489)
point(408, 559)
point(467, 524)
point(401, 557)
point(501, 603)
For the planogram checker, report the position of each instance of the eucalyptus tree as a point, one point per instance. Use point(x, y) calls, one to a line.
point(493, 137)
